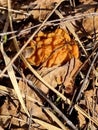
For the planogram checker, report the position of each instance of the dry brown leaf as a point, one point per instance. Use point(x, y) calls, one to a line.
point(89, 95)
point(13, 79)
point(90, 23)
point(82, 120)
point(40, 5)
point(36, 110)
point(63, 74)
point(12, 107)
point(92, 104)
point(3, 3)
point(52, 49)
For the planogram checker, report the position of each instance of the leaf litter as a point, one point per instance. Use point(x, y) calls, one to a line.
point(57, 54)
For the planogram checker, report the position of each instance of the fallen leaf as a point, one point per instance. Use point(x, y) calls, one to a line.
point(3, 3)
point(36, 110)
point(11, 108)
point(89, 24)
point(39, 13)
point(13, 79)
point(61, 75)
point(92, 105)
point(74, 65)
point(82, 120)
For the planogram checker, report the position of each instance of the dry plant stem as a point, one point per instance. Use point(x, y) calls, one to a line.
point(25, 61)
point(15, 118)
point(53, 106)
point(51, 127)
point(14, 11)
point(84, 85)
point(28, 41)
point(11, 26)
point(54, 118)
point(76, 107)
point(70, 28)
point(72, 3)
point(30, 120)
point(7, 33)
point(62, 96)
point(11, 71)
point(68, 19)
point(96, 48)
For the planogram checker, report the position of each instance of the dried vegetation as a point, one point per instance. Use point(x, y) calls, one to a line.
point(48, 65)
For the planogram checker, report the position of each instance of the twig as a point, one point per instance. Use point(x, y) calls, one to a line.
point(64, 98)
point(53, 106)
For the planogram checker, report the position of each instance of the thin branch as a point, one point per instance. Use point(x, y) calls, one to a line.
point(53, 106)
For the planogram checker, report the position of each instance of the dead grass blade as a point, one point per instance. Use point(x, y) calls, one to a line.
point(59, 94)
point(10, 69)
point(84, 85)
point(5, 91)
point(86, 115)
point(54, 118)
point(13, 79)
point(43, 123)
point(11, 91)
point(40, 92)
point(46, 125)
point(71, 29)
point(28, 41)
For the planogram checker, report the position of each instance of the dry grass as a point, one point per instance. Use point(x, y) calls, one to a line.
point(24, 105)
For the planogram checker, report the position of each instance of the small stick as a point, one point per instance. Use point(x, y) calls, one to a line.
point(53, 106)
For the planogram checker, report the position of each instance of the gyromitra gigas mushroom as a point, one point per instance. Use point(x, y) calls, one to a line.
point(54, 48)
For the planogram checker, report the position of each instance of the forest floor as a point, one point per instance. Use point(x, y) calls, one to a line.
point(48, 65)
